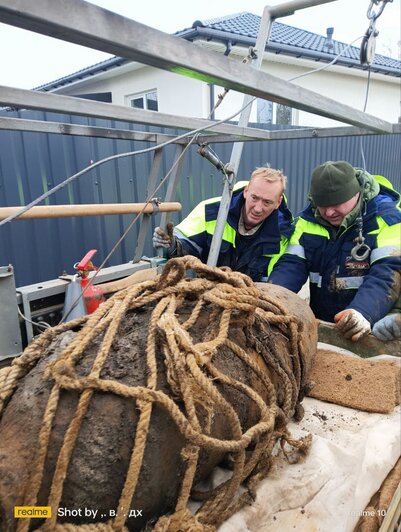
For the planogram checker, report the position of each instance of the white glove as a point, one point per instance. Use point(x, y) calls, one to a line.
point(388, 328)
point(161, 239)
point(352, 324)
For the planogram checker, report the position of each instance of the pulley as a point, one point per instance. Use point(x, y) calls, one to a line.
point(368, 45)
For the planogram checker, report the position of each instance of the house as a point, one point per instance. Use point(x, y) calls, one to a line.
point(290, 52)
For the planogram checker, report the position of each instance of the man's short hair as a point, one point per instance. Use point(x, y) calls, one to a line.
point(269, 174)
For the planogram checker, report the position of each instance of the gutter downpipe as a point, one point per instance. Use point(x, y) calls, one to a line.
point(269, 14)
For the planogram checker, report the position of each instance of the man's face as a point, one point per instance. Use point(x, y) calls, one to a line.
point(261, 199)
point(335, 214)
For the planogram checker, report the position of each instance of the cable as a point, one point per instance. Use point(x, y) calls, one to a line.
point(127, 230)
point(364, 109)
point(328, 64)
point(40, 324)
point(194, 134)
point(147, 150)
point(111, 158)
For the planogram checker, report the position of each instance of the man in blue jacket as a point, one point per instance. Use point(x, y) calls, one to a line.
point(255, 234)
point(348, 241)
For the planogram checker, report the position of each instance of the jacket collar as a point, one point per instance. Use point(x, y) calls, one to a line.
point(280, 221)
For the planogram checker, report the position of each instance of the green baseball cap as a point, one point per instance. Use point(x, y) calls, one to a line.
point(333, 183)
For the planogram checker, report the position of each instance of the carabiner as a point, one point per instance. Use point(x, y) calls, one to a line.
point(371, 14)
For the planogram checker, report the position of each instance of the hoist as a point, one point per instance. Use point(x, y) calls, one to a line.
point(368, 46)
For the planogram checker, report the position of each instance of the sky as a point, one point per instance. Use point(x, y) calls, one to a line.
point(29, 60)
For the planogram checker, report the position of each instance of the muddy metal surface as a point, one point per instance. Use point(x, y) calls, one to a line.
point(99, 462)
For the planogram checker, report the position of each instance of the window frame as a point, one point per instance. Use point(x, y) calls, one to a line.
point(144, 95)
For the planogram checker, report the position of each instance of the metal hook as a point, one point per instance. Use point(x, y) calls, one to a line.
point(368, 45)
point(371, 14)
point(356, 253)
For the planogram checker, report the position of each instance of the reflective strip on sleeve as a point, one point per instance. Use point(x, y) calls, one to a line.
point(296, 249)
point(349, 283)
point(384, 251)
point(315, 278)
point(181, 236)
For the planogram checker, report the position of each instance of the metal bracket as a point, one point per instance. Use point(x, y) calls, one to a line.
point(156, 205)
point(10, 334)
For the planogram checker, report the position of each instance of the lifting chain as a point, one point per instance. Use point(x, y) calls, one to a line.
point(361, 250)
point(367, 53)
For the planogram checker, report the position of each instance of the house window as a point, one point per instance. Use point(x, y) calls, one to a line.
point(283, 114)
point(273, 113)
point(146, 100)
point(264, 111)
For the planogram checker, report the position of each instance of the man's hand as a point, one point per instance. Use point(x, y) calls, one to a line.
point(388, 328)
point(161, 239)
point(352, 324)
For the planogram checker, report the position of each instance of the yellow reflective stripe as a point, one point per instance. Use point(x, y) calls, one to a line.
point(229, 233)
point(194, 223)
point(237, 186)
point(386, 183)
point(240, 184)
point(387, 235)
point(388, 240)
point(303, 226)
point(383, 181)
point(274, 258)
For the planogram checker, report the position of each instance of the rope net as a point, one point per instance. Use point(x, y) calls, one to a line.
point(196, 383)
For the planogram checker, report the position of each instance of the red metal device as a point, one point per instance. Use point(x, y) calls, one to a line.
point(93, 295)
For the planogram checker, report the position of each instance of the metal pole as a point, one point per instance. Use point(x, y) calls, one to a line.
point(89, 25)
point(269, 14)
point(145, 220)
point(263, 35)
point(289, 8)
point(10, 335)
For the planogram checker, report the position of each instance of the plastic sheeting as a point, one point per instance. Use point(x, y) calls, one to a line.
point(351, 454)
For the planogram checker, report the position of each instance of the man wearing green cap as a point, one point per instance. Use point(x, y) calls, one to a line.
point(348, 241)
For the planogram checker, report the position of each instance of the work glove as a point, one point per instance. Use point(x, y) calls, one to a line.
point(388, 328)
point(352, 324)
point(166, 240)
point(161, 239)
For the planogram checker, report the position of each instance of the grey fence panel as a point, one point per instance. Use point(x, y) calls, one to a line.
point(31, 163)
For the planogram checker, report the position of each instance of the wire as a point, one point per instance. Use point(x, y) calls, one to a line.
point(328, 64)
point(193, 133)
point(40, 324)
point(364, 109)
point(158, 146)
point(113, 157)
point(367, 87)
point(127, 230)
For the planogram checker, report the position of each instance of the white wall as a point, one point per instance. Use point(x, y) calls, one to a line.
point(185, 96)
point(343, 84)
point(176, 94)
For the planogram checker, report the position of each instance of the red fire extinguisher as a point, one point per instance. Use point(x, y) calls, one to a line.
point(93, 295)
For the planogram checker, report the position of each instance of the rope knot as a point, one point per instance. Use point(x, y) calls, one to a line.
point(197, 395)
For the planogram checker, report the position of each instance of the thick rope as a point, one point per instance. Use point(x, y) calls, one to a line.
point(192, 376)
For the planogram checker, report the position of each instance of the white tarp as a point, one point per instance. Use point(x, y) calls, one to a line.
point(351, 454)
